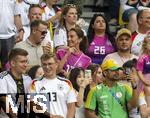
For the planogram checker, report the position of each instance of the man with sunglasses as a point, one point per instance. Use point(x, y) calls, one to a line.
point(34, 43)
point(111, 97)
point(35, 13)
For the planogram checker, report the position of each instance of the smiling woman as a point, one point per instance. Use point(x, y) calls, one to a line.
point(73, 56)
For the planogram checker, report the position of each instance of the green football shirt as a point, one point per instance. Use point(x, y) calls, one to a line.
point(108, 106)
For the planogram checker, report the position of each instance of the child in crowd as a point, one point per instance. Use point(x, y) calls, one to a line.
point(80, 85)
point(143, 67)
point(97, 75)
point(36, 72)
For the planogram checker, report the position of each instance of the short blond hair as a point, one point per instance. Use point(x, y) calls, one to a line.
point(146, 38)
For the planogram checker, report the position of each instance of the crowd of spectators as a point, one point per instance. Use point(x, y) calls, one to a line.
point(56, 69)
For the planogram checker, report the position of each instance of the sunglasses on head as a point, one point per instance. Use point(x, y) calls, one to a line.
point(71, 5)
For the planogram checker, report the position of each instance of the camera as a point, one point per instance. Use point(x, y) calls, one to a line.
point(127, 72)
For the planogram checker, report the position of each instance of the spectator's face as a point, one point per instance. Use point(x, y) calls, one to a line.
point(80, 78)
point(39, 73)
point(35, 14)
point(112, 74)
point(40, 33)
point(99, 76)
point(147, 44)
point(124, 43)
point(99, 24)
point(49, 67)
point(71, 16)
point(73, 39)
point(20, 64)
point(145, 19)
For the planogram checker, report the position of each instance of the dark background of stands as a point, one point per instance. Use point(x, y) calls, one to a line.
point(90, 7)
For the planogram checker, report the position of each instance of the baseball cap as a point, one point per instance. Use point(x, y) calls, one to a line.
point(110, 64)
point(123, 31)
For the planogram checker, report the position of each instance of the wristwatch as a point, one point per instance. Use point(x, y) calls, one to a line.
point(21, 29)
point(134, 86)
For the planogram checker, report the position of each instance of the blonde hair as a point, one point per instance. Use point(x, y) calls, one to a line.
point(146, 40)
point(65, 10)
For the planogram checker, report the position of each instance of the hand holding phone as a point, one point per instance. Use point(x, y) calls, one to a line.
point(88, 74)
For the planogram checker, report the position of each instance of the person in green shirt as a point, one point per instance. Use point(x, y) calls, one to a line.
point(111, 97)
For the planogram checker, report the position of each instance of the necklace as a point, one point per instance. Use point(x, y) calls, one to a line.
point(124, 59)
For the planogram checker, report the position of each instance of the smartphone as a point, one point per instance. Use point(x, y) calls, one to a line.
point(88, 74)
point(127, 71)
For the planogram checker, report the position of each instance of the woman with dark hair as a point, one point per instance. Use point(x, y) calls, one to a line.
point(73, 56)
point(36, 72)
point(100, 40)
point(81, 87)
point(97, 75)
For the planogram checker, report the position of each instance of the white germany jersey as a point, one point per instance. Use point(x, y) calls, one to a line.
point(137, 43)
point(60, 92)
point(8, 85)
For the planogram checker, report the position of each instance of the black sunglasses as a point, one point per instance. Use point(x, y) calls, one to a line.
point(42, 32)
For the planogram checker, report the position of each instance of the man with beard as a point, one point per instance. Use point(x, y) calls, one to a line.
point(111, 97)
point(123, 42)
point(34, 43)
point(123, 54)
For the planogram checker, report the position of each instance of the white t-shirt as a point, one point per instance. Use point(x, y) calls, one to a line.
point(48, 13)
point(79, 110)
point(60, 37)
point(8, 85)
point(142, 100)
point(137, 43)
point(24, 9)
point(60, 93)
point(115, 56)
point(8, 8)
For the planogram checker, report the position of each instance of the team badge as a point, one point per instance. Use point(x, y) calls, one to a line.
point(60, 87)
point(42, 89)
point(92, 43)
point(119, 94)
point(79, 64)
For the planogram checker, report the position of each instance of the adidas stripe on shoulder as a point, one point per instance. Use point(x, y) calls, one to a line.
point(3, 74)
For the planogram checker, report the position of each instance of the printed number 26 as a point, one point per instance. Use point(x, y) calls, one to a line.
point(99, 50)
